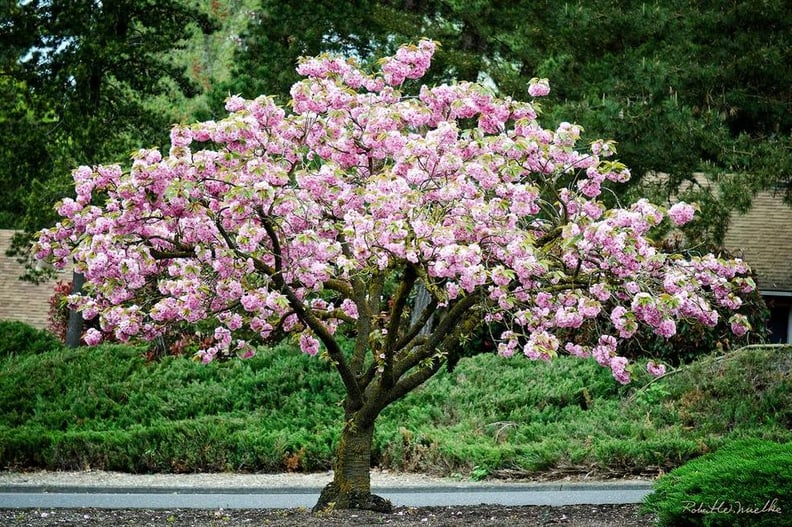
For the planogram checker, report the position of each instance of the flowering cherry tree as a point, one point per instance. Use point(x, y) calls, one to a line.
point(334, 213)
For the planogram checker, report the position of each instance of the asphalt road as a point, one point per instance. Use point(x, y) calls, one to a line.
point(196, 497)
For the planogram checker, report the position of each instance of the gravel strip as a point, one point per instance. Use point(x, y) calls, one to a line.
point(379, 479)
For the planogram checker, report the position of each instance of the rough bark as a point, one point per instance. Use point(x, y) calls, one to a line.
point(351, 485)
point(75, 325)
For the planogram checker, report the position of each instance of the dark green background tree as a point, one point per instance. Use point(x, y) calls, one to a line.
point(80, 77)
point(684, 87)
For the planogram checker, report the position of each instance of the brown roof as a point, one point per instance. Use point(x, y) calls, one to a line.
point(21, 300)
point(763, 237)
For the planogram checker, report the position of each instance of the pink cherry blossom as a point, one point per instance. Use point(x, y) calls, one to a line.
point(739, 325)
point(538, 87)
point(322, 217)
point(681, 213)
point(618, 366)
point(655, 369)
point(309, 344)
point(93, 337)
point(577, 350)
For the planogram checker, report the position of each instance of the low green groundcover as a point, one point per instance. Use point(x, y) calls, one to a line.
point(746, 483)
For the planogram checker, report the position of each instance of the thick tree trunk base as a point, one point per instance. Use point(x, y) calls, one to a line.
point(332, 498)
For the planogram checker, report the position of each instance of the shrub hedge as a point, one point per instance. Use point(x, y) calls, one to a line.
point(744, 484)
point(20, 338)
point(109, 408)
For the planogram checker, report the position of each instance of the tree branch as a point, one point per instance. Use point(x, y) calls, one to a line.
point(415, 330)
point(351, 385)
point(397, 310)
point(549, 237)
point(367, 297)
point(450, 345)
point(447, 325)
point(335, 314)
point(175, 254)
point(358, 294)
point(340, 286)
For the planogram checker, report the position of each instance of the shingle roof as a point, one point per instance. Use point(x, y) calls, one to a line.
point(763, 237)
point(21, 300)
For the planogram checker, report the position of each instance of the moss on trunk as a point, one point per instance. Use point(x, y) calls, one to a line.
point(351, 485)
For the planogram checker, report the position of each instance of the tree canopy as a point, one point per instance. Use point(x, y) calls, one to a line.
point(683, 87)
point(324, 220)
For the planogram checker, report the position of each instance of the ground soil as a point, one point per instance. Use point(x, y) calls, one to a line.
point(482, 515)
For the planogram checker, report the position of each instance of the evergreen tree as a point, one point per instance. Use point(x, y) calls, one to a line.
point(279, 33)
point(81, 73)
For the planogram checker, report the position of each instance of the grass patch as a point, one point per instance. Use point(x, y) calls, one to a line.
point(107, 408)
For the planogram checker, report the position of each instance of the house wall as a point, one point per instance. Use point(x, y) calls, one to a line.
point(21, 300)
point(763, 237)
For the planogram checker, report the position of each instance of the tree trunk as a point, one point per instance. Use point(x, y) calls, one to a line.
point(351, 485)
point(422, 299)
point(75, 327)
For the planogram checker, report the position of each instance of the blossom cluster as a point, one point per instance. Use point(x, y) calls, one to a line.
point(269, 216)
